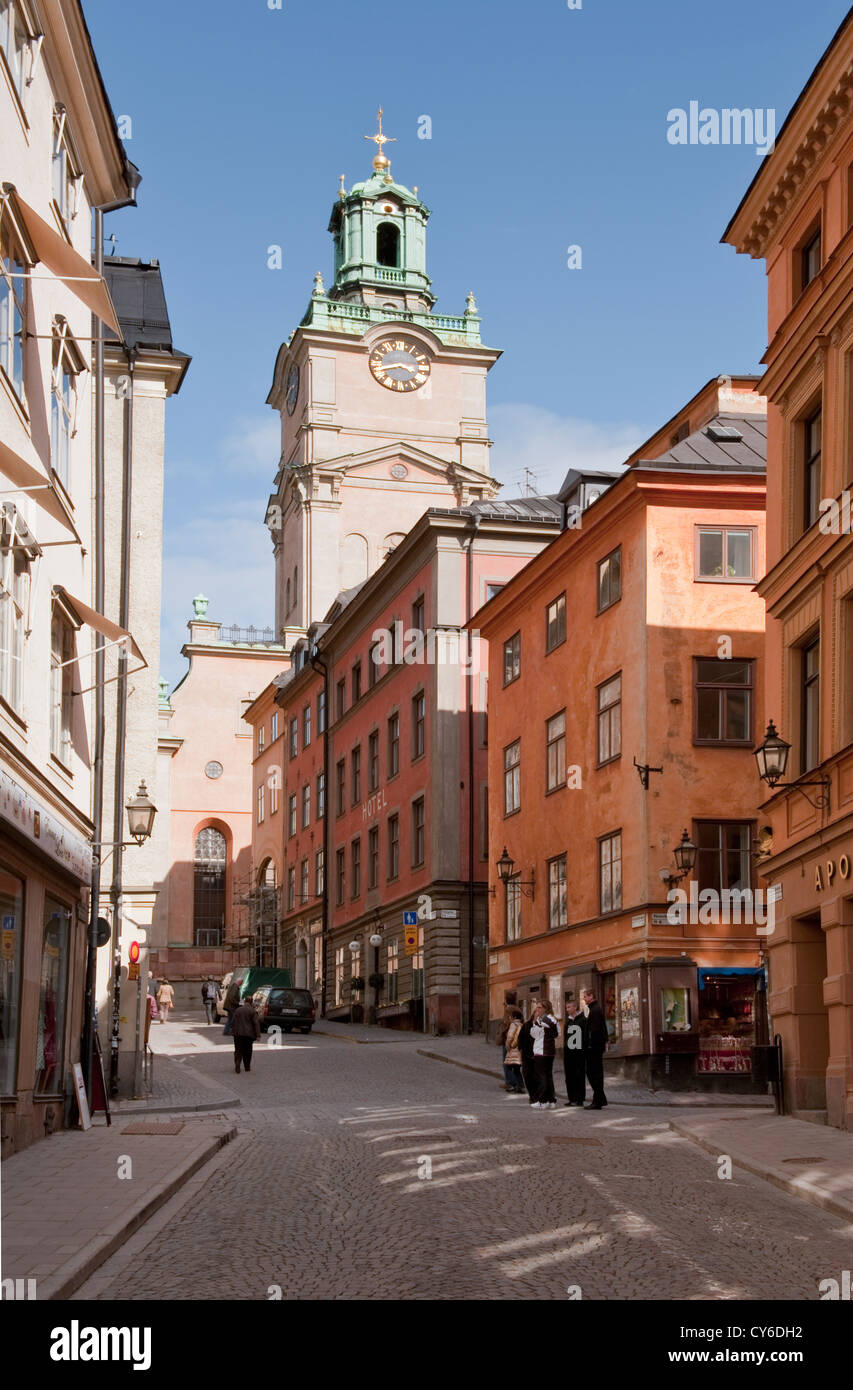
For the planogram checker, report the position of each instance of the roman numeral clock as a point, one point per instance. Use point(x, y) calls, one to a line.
point(399, 364)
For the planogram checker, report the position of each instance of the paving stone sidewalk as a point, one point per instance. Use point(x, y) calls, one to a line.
point(179, 1086)
point(66, 1207)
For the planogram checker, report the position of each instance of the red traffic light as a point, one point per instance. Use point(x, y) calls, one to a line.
point(133, 953)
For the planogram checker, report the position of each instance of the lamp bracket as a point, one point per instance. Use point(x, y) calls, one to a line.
point(822, 799)
point(644, 769)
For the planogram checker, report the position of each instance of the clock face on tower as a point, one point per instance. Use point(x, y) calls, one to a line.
point(399, 364)
point(292, 388)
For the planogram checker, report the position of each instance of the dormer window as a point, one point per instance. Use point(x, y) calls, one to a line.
point(387, 244)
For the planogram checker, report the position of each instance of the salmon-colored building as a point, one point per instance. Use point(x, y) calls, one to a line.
point(797, 216)
point(626, 689)
point(203, 831)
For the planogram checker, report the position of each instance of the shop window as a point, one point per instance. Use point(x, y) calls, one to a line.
point(209, 864)
point(722, 709)
point(555, 752)
point(675, 1009)
point(13, 309)
point(512, 658)
point(725, 553)
point(609, 697)
point(810, 706)
point(53, 981)
point(723, 858)
point(630, 1019)
point(610, 872)
point(558, 912)
point(512, 778)
point(607, 998)
point(610, 579)
point(339, 975)
point(730, 1021)
point(12, 916)
point(393, 965)
point(555, 623)
point(812, 449)
point(61, 688)
point(513, 908)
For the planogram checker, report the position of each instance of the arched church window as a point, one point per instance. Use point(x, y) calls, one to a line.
point(209, 863)
point(387, 244)
point(353, 560)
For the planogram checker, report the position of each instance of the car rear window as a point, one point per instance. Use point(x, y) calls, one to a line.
point(291, 998)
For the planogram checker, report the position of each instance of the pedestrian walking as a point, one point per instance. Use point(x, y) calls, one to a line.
point(208, 996)
point(574, 1053)
point(596, 1042)
point(165, 999)
point(229, 1004)
point(512, 1054)
point(539, 1037)
point(246, 1027)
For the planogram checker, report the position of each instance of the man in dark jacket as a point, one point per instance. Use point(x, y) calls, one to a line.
point(229, 1004)
point(208, 996)
point(574, 1053)
point(596, 1041)
point(246, 1027)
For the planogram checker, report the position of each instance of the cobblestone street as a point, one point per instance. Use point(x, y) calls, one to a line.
point(369, 1171)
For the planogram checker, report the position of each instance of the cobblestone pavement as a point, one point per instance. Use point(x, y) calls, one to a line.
point(371, 1172)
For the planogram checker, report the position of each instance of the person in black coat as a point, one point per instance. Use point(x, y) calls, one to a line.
point(596, 1041)
point(574, 1053)
point(538, 1044)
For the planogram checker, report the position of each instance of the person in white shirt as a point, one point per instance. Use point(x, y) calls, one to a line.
point(539, 1037)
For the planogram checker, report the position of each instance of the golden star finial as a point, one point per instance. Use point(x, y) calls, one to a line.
point(380, 160)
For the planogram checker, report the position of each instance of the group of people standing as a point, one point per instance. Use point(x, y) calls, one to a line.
point(530, 1050)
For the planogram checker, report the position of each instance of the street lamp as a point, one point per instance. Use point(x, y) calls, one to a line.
point(506, 868)
point(375, 940)
point(140, 814)
point(684, 855)
point(771, 757)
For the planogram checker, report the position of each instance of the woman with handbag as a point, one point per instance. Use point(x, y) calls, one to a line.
point(512, 1054)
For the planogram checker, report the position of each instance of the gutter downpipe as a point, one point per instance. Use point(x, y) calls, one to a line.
point(470, 698)
point(320, 665)
point(89, 1002)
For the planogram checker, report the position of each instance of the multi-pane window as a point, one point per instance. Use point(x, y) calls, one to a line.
point(341, 698)
point(210, 861)
point(355, 770)
point(418, 823)
point(418, 724)
point(306, 726)
point(355, 867)
point(723, 855)
point(512, 658)
point(513, 908)
point(13, 41)
point(291, 814)
point(13, 309)
point(341, 785)
point(725, 553)
point(61, 687)
point(321, 795)
point(393, 971)
point(393, 846)
point(319, 872)
point(262, 738)
point(723, 704)
point(291, 888)
point(321, 712)
point(558, 909)
point(339, 975)
point(294, 737)
point(512, 777)
point(812, 443)
point(260, 803)
point(63, 406)
point(340, 876)
point(272, 783)
point(373, 857)
point(303, 880)
point(373, 665)
point(14, 590)
point(373, 761)
point(610, 872)
point(418, 609)
point(810, 706)
point(609, 697)
point(67, 181)
point(555, 623)
point(810, 255)
point(555, 751)
point(274, 726)
point(306, 805)
point(610, 579)
point(356, 682)
point(393, 745)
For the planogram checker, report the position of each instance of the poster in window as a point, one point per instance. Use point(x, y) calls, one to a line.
point(675, 1010)
point(629, 1011)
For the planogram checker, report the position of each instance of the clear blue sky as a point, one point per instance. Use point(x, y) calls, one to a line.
point(548, 129)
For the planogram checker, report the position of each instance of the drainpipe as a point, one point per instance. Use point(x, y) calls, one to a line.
point(86, 1043)
point(320, 665)
point(475, 526)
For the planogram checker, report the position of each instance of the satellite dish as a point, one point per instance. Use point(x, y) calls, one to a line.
point(103, 932)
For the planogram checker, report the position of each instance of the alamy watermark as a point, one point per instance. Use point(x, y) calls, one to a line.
point(710, 907)
point(707, 125)
point(437, 647)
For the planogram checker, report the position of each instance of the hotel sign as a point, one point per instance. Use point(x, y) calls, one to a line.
point(44, 830)
point(373, 805)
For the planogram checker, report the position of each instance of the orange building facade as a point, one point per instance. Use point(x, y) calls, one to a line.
point(626, 690)
point(797, 216)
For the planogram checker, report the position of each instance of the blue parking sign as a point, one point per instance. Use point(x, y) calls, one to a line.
point(410, 919)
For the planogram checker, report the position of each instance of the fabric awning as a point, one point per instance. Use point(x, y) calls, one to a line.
point(77, 273)
point(105, 626)
point(23, 471)
point(711, 970)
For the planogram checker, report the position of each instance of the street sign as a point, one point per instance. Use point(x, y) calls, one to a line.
point(411, 941)
point(8, 950)
point(133, 970)
point(410, 919)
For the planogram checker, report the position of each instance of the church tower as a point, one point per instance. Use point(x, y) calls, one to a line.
point(382, 404)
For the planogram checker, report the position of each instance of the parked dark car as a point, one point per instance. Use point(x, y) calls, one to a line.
point(286, 1008)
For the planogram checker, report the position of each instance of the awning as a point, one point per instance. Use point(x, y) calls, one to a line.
point(54, 251)
point(105, 626)
point(23, 471)
point(706, 971)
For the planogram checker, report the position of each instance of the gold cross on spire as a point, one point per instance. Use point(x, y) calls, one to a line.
point(380, 160)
